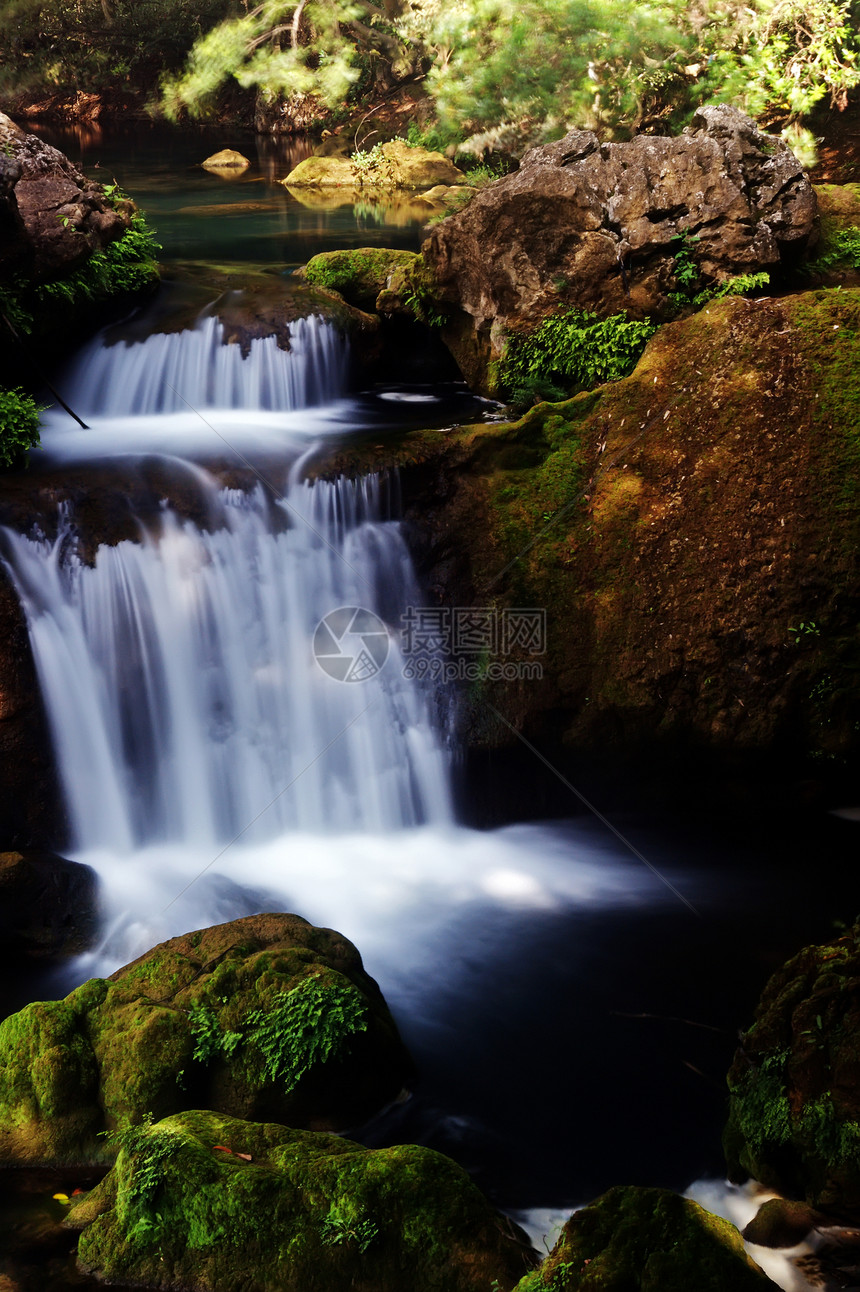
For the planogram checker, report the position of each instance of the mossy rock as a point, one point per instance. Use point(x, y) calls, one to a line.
point(265, 1017)
point(794, 1113)
point(210, 1203)
point(647, 1240)
point(395, 165)
point(359, 275)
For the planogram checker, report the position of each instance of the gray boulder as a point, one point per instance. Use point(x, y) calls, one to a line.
point(597, 226)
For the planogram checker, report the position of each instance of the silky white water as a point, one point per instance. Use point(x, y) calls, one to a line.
point(190, 393)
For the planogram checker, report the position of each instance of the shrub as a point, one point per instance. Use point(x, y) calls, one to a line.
point(573, 350)
point(19, 425)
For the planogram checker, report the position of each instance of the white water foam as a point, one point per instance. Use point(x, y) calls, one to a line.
point(189, 392)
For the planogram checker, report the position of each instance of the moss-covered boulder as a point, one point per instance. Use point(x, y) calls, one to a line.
point(794, 1115)
point(647, 1240)
point(359, 275)
point(209, 1203)
point(395, 164)
point(265, 1017)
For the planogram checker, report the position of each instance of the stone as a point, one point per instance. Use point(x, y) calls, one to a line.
point(398, 165)
point(779, 1222)
point(48, 906)
point(231, 1206)
point(265, 1017)
point(794, 1085)
point(647, 1240)
point(359, 275)
point(227, 159)
point(598, 225)
point(66, 216)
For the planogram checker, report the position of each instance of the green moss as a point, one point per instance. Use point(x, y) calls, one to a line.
point(359, 275)
point(284, 1024)
point(648, 1239)
point(205, 1201)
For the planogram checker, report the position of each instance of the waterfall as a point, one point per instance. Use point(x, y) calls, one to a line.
point(171, 372)
point(184, 696)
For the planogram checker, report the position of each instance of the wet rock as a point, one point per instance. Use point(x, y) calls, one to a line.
point(794, 1085)
point(597, 226)
point(779, 1222)
point(48, 906)
point(230, 1206)
point(227, 159)
point(647, 1240)
point(66, 216)
point(265, 1017)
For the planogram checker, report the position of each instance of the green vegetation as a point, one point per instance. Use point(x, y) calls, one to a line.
point(310, 1024)
point(205, 1200)
point(19, 425)
point(572, 350)
point(123, 268)
point(500, 74)
point(840, 249)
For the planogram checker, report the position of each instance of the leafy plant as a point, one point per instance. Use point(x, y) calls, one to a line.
point(372, 166)
point(313, 1022)
point(339, 1229)
point(805, 629)
point(212, 1040)
point(146, 1151)
point(19, 425)
point(840, 248)
point(574, 349)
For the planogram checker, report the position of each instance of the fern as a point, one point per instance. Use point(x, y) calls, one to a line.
point(308, 1025)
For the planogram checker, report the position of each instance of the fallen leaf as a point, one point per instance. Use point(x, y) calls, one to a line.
point(246, 1157)
point(61, 1197)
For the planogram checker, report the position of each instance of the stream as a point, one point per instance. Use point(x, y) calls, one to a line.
point(571, 993)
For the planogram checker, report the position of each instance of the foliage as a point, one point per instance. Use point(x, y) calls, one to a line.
point(760, 1107)
point(97, 45)
point(19, 425)
point(211, 1039)
point(575, 350)
point(340, 1229)
point(789, 55)
point(124, 267)
point(687, 278)
point(309, 1024)
point(146, 1151)
point(841, 248)
point(320, 47)
point(371, 166)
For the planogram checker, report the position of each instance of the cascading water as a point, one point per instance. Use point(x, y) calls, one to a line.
point(213, 766)
point(170, 372)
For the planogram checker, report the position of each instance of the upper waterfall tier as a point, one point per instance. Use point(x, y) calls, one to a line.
point(184, 695)
point(195, 370)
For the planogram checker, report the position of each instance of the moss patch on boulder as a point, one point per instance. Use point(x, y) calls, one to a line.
point(359, 275)
point(395, 164)
point(647, 1240)
point(794, 1115)
point(693, 533)
point(263, 1017)
point(214, 1204)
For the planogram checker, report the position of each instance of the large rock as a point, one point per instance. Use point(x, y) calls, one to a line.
point(693, 532)
point(67, 217)
point(265, 1017)
point(48, 906)
point(647, 1240)
point(208, 1203)
point(397, 165)
point(596, 226)
point(794, 1114)
point(16, 251)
